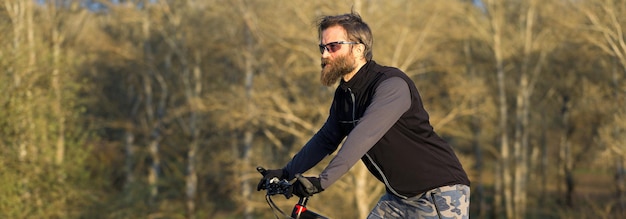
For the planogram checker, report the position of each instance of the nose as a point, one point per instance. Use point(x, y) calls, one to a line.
point(325, 53)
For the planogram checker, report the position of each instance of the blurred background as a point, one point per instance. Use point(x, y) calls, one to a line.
point(163, 108)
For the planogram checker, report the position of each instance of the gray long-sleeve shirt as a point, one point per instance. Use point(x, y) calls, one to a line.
point(391, 100)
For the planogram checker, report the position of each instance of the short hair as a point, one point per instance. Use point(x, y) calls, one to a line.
point(356, 29)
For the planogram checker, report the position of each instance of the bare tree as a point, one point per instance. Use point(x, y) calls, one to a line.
point(154, 110)
point(534, 52)
point(504, 193)
point(21, 96)
point(605, 30)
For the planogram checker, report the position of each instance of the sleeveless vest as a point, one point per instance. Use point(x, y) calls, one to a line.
point(410, 158)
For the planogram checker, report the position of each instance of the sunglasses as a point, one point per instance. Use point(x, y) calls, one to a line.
point(333, 46)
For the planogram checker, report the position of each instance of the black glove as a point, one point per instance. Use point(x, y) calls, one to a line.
point(306, 186)
point(269, 174)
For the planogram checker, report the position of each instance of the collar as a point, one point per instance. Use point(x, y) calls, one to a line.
point(361, 78)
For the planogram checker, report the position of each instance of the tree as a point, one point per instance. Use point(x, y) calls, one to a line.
point(40, 113)
point(605, 30)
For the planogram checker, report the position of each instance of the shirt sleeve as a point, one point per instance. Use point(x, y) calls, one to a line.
point(391, 99)
point(322, 144)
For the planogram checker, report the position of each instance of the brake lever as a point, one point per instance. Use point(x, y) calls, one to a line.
point(261, 170)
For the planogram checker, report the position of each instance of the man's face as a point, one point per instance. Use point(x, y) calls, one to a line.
point(337, 59)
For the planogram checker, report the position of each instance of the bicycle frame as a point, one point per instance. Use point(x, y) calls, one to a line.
point(301, 212)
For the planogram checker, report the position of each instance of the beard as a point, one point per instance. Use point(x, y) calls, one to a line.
point(342, 65)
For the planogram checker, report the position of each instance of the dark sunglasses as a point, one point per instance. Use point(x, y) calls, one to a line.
point(333, 46)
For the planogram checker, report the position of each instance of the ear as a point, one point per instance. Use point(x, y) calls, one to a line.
point(358, 49)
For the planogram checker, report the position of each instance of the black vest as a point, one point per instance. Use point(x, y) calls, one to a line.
point(410, 158)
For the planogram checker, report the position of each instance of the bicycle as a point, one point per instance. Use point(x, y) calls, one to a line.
point(276, 186)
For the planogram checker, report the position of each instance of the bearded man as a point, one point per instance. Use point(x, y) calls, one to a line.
point(380, 114)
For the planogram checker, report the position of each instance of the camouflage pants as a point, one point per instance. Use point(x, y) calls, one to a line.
point(443, 202)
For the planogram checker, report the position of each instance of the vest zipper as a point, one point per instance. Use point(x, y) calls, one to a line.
point(368, 156)
point(353, 108)
point(384, 178)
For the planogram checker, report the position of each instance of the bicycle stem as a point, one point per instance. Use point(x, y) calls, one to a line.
point(303, 201)
point(300, 207)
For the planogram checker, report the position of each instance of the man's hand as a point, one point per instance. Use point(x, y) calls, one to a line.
point(269, 174)
point(306, 186)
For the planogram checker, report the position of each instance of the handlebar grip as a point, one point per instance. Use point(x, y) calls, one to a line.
point(306, 183)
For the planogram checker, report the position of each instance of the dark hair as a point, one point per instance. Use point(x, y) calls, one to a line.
point(357, 30)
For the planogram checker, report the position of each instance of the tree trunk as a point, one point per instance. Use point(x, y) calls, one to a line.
point(542, 164)
point(15, 11)
point(520, 152)
point(21, 97)
point(620, 182)
point(193, 87)
point(497, 210)
point(250, 110)
point(620, 169)
point(154, 111)
point(129, 141)
point(57, 104)
point(478, 191)
point(55, 82)
point(362, 191)
point(155, 140)
point(129, 137)
point(357, 6)
point(504, 140)
point(525, 89)
point(248, 135)
point(245, 162)
point(497, 19)
point(565, 170)
point(477, 182)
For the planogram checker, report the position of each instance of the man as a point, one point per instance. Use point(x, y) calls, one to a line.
point(379, 112)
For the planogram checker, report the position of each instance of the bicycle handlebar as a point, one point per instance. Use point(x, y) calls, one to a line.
point(276, 186)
